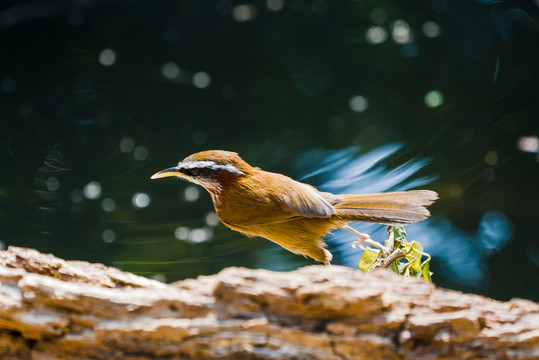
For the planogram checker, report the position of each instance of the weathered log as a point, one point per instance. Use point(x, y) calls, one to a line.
point(56, 309)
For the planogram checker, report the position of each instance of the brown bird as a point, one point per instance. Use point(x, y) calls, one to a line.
point(294, 215)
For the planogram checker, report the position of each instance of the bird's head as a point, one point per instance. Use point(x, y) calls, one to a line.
point(210, 169)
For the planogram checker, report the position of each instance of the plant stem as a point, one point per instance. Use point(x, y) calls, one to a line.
point(384, 262)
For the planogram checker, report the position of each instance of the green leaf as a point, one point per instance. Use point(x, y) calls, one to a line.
point(408, 266)
point(394, 267)
point(406, 247)
point(400, 233)
point(405, 270)
point(368, 258)
point(402, 267)
point(425, 270)
point(416, 252)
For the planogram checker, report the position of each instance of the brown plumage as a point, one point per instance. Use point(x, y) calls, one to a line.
point(294, 215)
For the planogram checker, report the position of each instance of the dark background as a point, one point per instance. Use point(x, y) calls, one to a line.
point(96, 96)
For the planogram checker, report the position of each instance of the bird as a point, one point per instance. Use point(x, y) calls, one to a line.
point(290, 213)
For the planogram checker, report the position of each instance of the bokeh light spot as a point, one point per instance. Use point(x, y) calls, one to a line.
point(431, 29)
point(191, 193)
point(275, 5)
point(107, 57)
point(376, 35)
point(108, 205)
point(181, 233)
point(528, 144)
point(358, 103)
point(401, 32)
point(127, 145)
point(200, 235)
point(211, 219)
point(141, 153)
point(92, 190)
point(409, 50)
point(141, 200)
point(491, 158)
point(108, 236)
point(434, 99)
point(53, 184)
point(201, 80)
point(244, 12)
point(170, 70)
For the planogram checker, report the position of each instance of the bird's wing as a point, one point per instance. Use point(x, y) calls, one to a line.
point(331, 198)
point(304, 200)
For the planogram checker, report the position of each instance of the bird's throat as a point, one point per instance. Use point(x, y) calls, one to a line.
point(216, 197)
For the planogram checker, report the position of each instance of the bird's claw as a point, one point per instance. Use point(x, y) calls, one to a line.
point(358, 244)
point(363, 239)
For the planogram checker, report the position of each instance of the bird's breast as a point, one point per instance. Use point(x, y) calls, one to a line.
point(247, 204)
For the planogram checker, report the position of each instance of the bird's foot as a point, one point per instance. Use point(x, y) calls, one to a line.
point(358, 244)
point(368, 241)
point(363, 239)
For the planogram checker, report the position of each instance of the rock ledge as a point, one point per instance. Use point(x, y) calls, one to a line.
point(56, 309)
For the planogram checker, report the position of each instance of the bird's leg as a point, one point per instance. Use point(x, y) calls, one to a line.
point(390, 240)
point(362, 238)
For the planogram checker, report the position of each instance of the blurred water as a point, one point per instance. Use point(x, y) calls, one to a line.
point(349, 171)
point(349, 96)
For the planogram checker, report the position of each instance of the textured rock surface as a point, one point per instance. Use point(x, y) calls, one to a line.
point(56, 309)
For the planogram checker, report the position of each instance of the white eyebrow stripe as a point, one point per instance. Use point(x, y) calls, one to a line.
point(209, 165)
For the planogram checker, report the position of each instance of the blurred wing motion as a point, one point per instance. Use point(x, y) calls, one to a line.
point(395, 208)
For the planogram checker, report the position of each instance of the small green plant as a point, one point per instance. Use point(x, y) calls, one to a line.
point(397, 255)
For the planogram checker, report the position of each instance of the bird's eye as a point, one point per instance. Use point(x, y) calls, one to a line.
point(202, 171)
point(189, 172)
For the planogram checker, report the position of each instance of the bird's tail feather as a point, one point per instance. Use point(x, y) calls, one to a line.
point(394, 208)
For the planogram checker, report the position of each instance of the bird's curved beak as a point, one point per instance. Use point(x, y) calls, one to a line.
point(172, 171)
